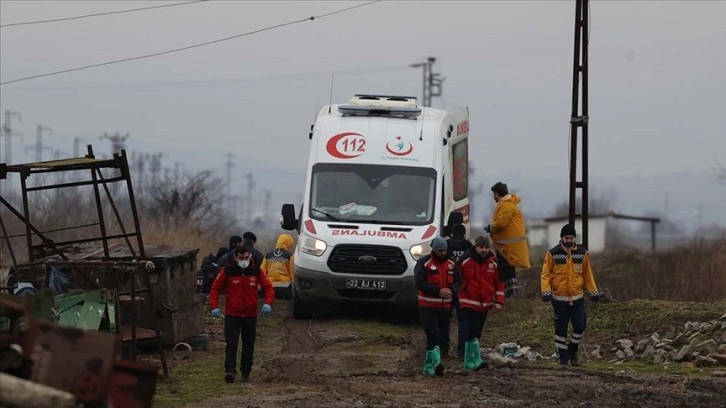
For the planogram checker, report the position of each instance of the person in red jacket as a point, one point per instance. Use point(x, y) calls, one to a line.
point(437, 279)
point(481, 290)
point(240, 276)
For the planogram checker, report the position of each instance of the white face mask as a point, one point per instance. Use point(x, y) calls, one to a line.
point(243, 264)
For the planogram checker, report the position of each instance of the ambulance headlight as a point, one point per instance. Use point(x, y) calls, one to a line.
point(417, 251)
point(312, 246)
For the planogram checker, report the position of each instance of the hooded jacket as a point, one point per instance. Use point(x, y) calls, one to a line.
point(508, 233)
point(431, 275)
point(278, 264)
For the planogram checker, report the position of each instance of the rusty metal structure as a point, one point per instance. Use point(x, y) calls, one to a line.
point(146, 288)
point(579, 118)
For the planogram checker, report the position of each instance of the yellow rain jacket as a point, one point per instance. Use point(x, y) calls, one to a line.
point(278, 263)
point(565, 274)
point(507, 232)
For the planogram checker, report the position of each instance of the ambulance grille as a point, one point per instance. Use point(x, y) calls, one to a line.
point(367, 260)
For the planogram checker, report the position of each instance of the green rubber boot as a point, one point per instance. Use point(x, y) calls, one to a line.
point(436, 359)
point(470, 352)
point(476, 354)
point(429, 364)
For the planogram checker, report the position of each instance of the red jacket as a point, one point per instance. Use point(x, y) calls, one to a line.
point(241, 285)
point(431, 275)
point(480, 284)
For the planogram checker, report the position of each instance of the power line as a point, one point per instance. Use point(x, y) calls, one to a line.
point(99, 14)
point(213, 81)
point(189, 46)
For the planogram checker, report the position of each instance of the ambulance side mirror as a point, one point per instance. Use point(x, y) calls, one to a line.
point(287, 217)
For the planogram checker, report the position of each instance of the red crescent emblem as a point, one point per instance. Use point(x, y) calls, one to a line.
point(403, 153)
point(332, 146)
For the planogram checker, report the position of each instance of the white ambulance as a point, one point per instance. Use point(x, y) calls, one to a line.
point(384, 178)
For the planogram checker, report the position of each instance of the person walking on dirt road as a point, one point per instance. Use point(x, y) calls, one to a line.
point(481, 290)
point(240, 276)
point(437, 278)
point(507, 231)
point(566, 270)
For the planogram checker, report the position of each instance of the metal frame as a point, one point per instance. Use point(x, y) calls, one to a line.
point(89, 162)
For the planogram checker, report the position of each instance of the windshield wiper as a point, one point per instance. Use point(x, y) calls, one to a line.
point(331, 217)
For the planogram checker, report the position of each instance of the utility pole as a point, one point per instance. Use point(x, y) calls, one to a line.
point(580, 118)
point(38, 147)
point(139, 164)
point(431, 81)
point(250, 187)
point(229, 164)
point(268, 197)
point(155, 167)
point(117, 142)
point(8, 133)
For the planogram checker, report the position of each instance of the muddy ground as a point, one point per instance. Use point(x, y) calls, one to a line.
point(344, 358)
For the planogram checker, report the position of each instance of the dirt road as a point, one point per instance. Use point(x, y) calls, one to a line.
point(348, 358)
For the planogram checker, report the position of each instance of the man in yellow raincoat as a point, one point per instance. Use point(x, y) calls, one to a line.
point(508, 235)
point(278, 266)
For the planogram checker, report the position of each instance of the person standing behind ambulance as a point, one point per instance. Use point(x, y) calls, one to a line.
point(481, 290)
point(278, 266)
point(508, 235)
point(437, 278)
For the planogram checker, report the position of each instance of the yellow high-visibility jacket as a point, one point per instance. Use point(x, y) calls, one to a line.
point(565, 274)
point(507, 232)
point(278, 263)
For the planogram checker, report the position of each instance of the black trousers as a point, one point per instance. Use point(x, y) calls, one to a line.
point(506, 271)
point(474, 323)
point(234, 328)
point(564, 314)
point(461, 326)
point(283, 292)
point(436, 324)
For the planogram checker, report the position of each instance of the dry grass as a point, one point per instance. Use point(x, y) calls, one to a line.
point(693, 272)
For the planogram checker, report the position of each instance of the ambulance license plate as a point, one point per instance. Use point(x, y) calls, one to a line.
point(365, 284)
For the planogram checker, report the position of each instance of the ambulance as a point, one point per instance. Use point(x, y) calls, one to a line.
point(384, 177)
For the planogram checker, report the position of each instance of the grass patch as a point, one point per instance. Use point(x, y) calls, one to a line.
point(530, 322)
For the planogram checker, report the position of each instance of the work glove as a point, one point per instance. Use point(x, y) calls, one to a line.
point(547, 297)
point(511, 289)
point(266, 309)
point(216, 312)
point(594, 297)
point(487, 229)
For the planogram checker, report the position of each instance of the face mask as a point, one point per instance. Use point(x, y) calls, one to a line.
point(568, 244)
point(243, 264)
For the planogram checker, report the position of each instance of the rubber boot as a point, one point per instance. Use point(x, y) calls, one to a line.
point(436, 359)
point(429, 364)
point(476, 354)
point(472, 356)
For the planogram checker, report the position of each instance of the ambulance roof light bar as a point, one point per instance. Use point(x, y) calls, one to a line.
point(404, 112)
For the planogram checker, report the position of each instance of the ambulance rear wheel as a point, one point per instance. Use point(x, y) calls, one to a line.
point(300, 309)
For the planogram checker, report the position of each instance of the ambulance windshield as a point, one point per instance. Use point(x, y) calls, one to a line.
point(364, 193)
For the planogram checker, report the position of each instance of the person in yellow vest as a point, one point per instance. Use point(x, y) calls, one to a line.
point(565, 272)
point(507, 231)
point(278, 266)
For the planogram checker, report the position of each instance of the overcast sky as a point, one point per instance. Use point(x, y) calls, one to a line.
point(657, 78)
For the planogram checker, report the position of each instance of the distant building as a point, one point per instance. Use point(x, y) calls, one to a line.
point(604, 230)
